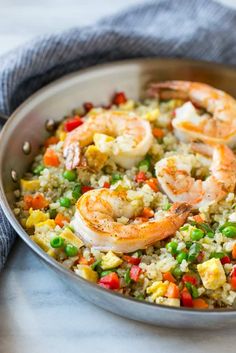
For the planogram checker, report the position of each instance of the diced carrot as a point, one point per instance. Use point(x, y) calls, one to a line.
point(168, 277)
point(52, 140)
point(157, 132)
point(140, 177)
point(147, 212)
point(234, 252)
point(61, 219)
point(141, 219)
point(197, 218)
point(50, 159)
point(153, 183)
point(84, 261)
point(200, 303)
point(39, 202)
point(172, 291)
point(28, 202)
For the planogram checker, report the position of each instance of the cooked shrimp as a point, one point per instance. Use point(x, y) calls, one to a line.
point(174, 176)
point(217, 125)
point(133, 138)
point(96, 222)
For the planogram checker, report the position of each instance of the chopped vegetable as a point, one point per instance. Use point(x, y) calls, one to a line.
point(88, 106)
point(127, 276)
point(115, 177)
point(189, 279)
point(172, 247)
point(172, 291)
point(77, 191)
point(145, 164)
point(111, 281)
point(168, 277)
point(57, 242)
point(106, 185)
point(52, 140)
point(229, 231)
point(194, 251)
point(197, 218)
point(39, 202)
point(71, 250)
point(196, 234)
point(225, 260)
point(153, 184)
point(181, 256)
point(86, 188)
point(70, 175)
point(96, 264)
point(140, 177)
point(200, 303)
point(135, 273)
point(50, 158)
point(186, 299)
point(61, 220)
point(167, 206)
point(177, 272)
point(73, 123)
point(38, 170)
point(147, 212)
point(132, 260)
point(65, 202)
point(119, 98)
point(234, 252)
point(192, 289)
point(158, 133)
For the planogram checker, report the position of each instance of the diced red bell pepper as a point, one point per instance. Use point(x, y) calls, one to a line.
point(132, 260)
point(135, 273)
point(86, 188)
point(106, 185)
point(119, 98)
point(88, 106)
point(225, 260)
point(186, 299)
point(110, 281)
point(140, 177)
point(200, 257)
point(73, 123)
point(233, 282)
point(190, 279)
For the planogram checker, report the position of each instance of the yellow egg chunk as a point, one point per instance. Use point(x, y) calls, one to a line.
point(86, 272)
point(50, 223)
point(69, 236)
point(153, 115)
point(103, 142)
point(157, 289)
point(95, 158)
point(110, 260)
point(42, 241)
point(212, 273)
point(36, 217)
point(29, 185)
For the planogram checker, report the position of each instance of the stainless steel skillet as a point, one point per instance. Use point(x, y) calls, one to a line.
point(25, 130)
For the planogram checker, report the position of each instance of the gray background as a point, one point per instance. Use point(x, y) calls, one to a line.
point(37, 312)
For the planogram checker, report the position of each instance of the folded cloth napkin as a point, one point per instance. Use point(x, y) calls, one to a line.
point(199, 29)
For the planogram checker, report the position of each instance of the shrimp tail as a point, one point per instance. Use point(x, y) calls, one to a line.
point(180, 208)
point(72, 155)
point(169, 90)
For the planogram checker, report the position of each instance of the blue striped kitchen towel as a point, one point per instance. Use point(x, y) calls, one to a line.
point(199, 29)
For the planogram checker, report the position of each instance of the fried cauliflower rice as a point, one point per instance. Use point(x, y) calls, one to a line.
point(195, 267)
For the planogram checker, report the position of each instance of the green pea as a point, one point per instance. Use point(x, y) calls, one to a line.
point(176, 272)
point(105, 273)
point(52, 213)
point(70, 175)
point(140, 297)
point(38, 170)
point(71, 250)
point(57, 242)
point(166, 207)
point(194, 251)
point(196, 234)
point(115, 177)
point(229, 231)
point(181, 256)
point(210, 234)
point(96, 264)
point(65, 202)
point(144, 165)
point(127, 276)
point(172, 247)
point(77, 192)
point(217, 255)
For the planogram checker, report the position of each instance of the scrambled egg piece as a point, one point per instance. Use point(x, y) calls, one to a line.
point(50, 223)
point(168, 301)
point(60, 133)
point(68, 235)
point(36, 217)
point(153, 115)
point(157, 289)
point(103, 142)
point(42, 241)
point(212, 273)
point(29, 185)
point(86, 272)
point(110, 260)
point(95, 158)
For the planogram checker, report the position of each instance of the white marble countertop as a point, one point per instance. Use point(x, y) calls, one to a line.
point(37, 312)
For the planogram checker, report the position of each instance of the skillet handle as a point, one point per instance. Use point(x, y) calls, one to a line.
point(3, 119)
